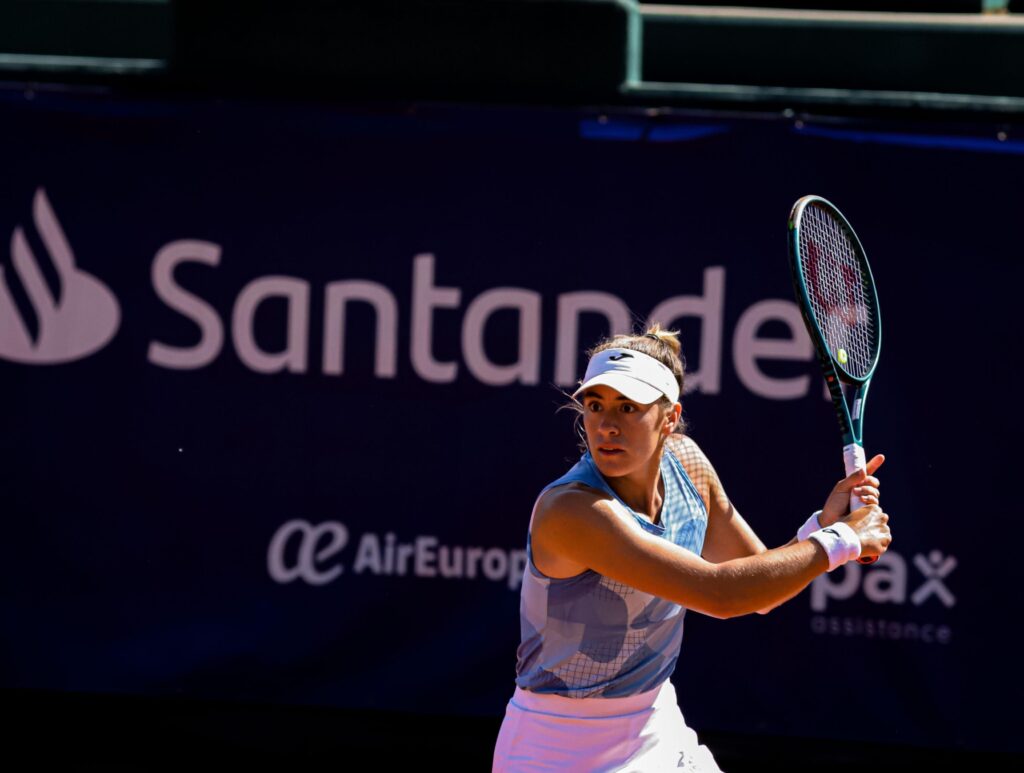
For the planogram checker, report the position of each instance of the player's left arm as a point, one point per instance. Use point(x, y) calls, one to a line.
point(728, 536)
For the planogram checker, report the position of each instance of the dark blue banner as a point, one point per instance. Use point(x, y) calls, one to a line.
point(281, 387)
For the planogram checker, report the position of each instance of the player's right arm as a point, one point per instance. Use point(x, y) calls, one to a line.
point(581, 529)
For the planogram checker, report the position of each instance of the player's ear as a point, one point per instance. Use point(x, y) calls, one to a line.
point(672, 415)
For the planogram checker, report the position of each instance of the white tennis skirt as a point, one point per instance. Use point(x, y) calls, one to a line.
point(640, 733)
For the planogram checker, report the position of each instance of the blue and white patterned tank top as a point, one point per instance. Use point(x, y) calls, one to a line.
point(591, 637)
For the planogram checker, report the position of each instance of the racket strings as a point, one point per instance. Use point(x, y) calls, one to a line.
point(840, 300)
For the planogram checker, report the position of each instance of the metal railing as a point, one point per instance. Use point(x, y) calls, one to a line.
point(873, 29)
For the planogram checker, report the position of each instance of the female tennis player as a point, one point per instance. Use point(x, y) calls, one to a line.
point(636, 533)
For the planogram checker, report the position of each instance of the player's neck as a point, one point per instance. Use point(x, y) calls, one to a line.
point(642, 489)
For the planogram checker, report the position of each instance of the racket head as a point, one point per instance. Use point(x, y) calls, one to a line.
point(835, 289)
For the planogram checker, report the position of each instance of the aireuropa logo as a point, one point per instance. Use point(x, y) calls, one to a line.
point(76, 320)
point(888, 582)
point(300, 550)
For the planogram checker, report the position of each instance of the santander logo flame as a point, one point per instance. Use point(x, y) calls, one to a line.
point(80, 320)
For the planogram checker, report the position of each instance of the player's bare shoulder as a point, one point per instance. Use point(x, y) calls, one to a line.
point(571, 501)
point(559, 517)
point(567, 513)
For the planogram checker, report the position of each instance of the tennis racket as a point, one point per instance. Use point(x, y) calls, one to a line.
point(836, 294)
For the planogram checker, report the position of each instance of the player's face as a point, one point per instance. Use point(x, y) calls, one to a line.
point(622, 435)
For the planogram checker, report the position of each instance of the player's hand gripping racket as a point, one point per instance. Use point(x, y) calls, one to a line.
point(837, 298)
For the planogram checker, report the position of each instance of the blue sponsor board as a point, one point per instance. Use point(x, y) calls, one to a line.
point(282, 383)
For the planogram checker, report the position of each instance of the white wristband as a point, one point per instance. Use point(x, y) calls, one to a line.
point(840, 542)
point(810, 525)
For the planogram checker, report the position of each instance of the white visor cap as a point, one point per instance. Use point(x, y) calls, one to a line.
point(640, 378)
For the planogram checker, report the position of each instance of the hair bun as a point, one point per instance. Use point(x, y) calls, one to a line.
point(667, 337)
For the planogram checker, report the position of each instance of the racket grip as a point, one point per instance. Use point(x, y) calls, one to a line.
point(854, 459)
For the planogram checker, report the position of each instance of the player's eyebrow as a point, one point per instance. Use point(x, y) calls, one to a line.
point(592, 393)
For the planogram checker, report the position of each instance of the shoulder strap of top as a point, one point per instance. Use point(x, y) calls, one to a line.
point(584, 471)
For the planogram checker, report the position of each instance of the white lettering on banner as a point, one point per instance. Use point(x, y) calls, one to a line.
point(936, 568)
point(425, 297)
point(709, 308)
point(429, 297)
point(886, 581)
point(338, 294)
point(892, 630)
point(748, 348)
point(308, 558)
point(495, 564)
point(87, 316)
point(199, 311)
point(295, 292)
point(424, 556)
point(570, 306)
point(526, 368)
